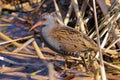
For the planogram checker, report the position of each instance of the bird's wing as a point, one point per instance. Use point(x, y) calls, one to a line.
point(71, 40)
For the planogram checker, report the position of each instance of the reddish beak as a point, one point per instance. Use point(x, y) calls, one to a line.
point(36, 25)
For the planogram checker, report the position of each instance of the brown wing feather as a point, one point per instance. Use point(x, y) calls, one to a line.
point(72, 40)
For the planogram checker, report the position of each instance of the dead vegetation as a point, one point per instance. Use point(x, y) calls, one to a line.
point(26, 57)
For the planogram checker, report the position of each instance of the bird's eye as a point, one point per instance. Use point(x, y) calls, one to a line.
point(43, 19)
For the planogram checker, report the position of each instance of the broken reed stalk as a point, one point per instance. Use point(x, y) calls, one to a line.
point(79, 16)
point(111, 65)
point(6, 38)
point(103, 6)
point(113, 43)
point(103, 74)
point(23, 45)
point(5, 25)
point(83, 7)
point(66, 20)
point(24, 38)
point(39, 53)
point(51, 71)
point(3, 36)
point(36, 11)
point(104, 21)
point(57, 10)
point(48, 51)
point(109, 26)
point(5, 69)
point(25, 75)
point(12, 62)
point(18, 54)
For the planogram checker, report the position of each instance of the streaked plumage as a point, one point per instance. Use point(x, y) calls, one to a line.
point(63, 39)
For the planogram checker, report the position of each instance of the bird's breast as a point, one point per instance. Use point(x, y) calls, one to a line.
point(50, 41)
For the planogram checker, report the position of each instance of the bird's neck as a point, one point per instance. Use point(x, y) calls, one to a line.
point(48, 27)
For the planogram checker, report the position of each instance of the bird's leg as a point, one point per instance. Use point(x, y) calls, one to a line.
point(57, 65)
point(84, 62)
point(65, 64)
point(63, 70)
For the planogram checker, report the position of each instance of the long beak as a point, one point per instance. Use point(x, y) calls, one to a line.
point(38, 24)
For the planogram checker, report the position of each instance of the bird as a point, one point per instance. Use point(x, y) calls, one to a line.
point(63, 39)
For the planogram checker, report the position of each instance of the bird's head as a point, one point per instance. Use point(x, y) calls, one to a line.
point(46, 20)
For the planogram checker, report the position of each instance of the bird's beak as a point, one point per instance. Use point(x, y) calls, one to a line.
point(38, 24)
